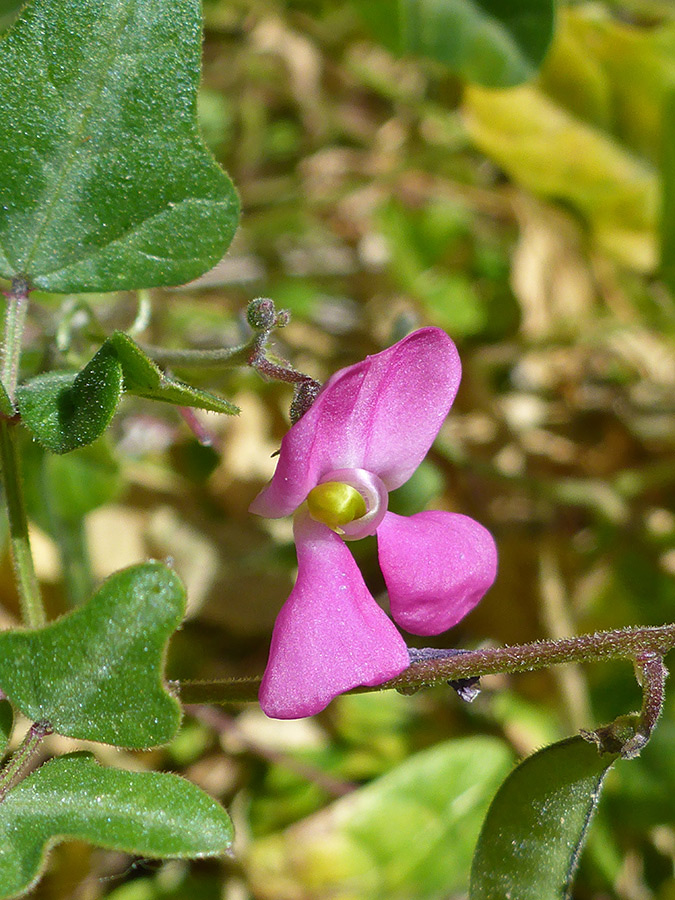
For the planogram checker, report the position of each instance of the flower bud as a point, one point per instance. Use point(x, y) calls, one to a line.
point(261, 314)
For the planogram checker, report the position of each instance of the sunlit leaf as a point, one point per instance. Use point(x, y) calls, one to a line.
point(408, 834)
point(97, 673)
point(550, 152)
point(489, 42)
point(104, 180)
point(534, 831)
point(65, 411)
point(619, 73)
point(147, 813)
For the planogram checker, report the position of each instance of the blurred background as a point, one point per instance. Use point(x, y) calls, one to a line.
point(381, 194)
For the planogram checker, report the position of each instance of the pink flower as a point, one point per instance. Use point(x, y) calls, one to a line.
point(366, 433)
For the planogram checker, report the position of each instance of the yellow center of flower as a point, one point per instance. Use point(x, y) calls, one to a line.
point(335, 504)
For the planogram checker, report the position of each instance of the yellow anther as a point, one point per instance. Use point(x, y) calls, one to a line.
point(335, 504)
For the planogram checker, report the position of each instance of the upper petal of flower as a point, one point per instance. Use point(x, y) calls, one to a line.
point(381, 415)
point(330, 635)
point(437, 565)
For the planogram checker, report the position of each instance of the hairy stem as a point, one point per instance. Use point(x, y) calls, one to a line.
point(263, 318)
point(652, 674)
point(22, 757)
point(15, 321)
point(628, 643)
point(225, 357)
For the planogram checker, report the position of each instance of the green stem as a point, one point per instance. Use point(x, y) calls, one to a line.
point(639, 644)
point(27, 583)
point(263, 318)
point(226, 357)
point(75, 561)
point(24, 754)
point(15, 320)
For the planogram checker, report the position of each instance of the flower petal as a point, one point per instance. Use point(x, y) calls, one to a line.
point(437, 566)
point(330, 635)
point(381, 415)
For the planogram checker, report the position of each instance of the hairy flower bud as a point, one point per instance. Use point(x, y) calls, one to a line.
point(261, 313)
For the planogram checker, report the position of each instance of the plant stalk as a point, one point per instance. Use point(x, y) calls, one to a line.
point(32, 610)
point(22, 757)
point(639, 644)
point(15, 321)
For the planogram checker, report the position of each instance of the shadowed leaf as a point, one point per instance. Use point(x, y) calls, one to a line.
point(65, 411)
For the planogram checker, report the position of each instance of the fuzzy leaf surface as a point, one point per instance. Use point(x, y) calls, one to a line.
point(536, 826)
point(151, 814)
point(97, 673)
point(65, 411)
point(105, 182)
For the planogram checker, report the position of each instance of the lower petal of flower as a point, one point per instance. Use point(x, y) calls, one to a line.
point(330, 635)
point(437, 566)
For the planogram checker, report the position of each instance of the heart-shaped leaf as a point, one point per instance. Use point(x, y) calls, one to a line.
point(489, 42)
point(105, 182)
point(96, 673)
point(144, 378)
point(534, 831)
point(65, 411)
point(147, 813)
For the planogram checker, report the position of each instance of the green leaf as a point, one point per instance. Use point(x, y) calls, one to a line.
point(105, 182)
point(555, 155)
point(534, 831)
point(408, 834)
point(66, 411)
point(96, 673)
point(144, 378)
point(147, 813)
point(489, 42)
point(6, 723)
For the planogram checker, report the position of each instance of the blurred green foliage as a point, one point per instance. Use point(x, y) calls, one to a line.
point(379, 194)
